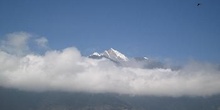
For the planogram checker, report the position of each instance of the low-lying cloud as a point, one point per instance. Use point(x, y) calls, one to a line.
point(68, 70)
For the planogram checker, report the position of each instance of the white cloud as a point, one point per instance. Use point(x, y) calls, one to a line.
point(68, 70)
point(16, 43)
point(42, 42)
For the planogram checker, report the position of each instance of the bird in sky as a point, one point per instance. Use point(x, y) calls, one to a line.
point(198, 4)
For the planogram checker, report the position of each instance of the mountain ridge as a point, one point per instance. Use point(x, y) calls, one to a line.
point(122, 60)
point(111, 54)
point(114, 54)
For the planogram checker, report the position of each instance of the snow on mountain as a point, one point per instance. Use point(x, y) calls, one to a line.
point(122, 60)
point(95, 54)
point(114, 55)
point(111, 54)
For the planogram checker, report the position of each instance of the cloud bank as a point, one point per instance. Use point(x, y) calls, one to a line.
point(68, 70)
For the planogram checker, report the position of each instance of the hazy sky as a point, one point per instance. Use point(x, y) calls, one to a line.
point(176, 29)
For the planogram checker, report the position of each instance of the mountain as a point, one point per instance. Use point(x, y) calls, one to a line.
point(111, 54)
point(122, 60)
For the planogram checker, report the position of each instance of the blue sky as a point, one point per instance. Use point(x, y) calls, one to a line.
point(176, 29)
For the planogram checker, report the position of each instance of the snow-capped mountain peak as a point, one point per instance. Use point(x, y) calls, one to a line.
point(111, 54)
point(115, 55)
point(121, 60)
point(95, 54)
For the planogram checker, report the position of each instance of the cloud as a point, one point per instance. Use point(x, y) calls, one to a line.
point(42, 42)
point(68, 70)
point(16, 43)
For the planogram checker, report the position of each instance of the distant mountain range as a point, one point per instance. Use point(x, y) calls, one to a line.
point(122, 60)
